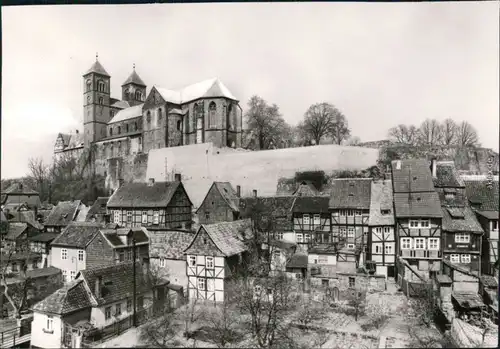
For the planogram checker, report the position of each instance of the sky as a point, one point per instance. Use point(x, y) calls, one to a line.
point(381, 64)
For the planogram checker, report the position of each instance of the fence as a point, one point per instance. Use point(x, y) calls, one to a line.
point(15, 336)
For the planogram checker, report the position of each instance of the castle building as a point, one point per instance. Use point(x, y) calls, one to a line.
point(140, 121)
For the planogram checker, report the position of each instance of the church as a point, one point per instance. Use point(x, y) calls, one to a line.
point(205, 112)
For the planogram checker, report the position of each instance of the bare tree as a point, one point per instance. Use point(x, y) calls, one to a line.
point(159, 332)
point(404, 134)
point(39, 172)
point(189, 315)
point(450, 132)
point(265, 123)
point(224, 322)
point(353, 141)
point(467, 135)
point(424, 305)
point(430, 132)
point(357, 300)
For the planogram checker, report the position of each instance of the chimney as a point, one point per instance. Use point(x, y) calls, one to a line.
point(178, 177)
point(433, 167)
point(238, 191)
point(97, 289)
point(255, 193)
point(151, 181)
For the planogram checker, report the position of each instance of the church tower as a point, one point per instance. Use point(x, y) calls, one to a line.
point(96, 100)
point(134, 89)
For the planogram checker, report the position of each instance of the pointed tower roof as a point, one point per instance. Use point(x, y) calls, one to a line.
point(135, 79)
point(97, 68)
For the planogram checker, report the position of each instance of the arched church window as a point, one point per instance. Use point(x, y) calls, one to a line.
point(111, 131)
point(135, 126)
point(119, 130)
point(138, 95)
point(101, 86)
point(119, 147)
point(88, 83)
point(88, 99)
point(101, 100)
point(212, 109)
point(148, 117)
point(127, 95)
point(112, 113)
point(159, 115)
point(126, 128)
point(111, 151)
point(195, 115)
point(178, 125)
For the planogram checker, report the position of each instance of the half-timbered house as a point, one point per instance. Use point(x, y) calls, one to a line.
point(215, 253)
point(349, 206)
point(483, 197)
point(311, 221)
point(461, 232)
point(418, 218)
point(157, 204)
point(381, 239)
point(65, 213)
point(221, 204)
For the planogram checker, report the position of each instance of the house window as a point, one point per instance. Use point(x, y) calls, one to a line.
point(352, 281)
point(212, 110)
point(433, 244)
point(107, 313)
point(317, 220)
point(419, 243)
point(72, 275)
point(388, 249)
point(465, 258)
point(378, 249)
point(350, 232)
point(299, 238)
point(387, 229)
point(118, 310)
point(144, 217)
point(343, 232)
point(419, 223)
point(156, 217)
point(121, 256)
point(202, 284)
point(129, 305)
point(278, 236)
point(405, 243)
point(129, 255)
point(324, 282)
point(455, 258)
point(462, 238)
point(209, 263)
point(323, 259)
point(494, 225)
point(350, 213)
point(140, 302)
point(14, 266)
point(358, 213)
point(64, 253)
point(129, 216)
point(307, 237)
point(305, 219)
point(350, 245)
point(385, 212)
point(80, 255)
point(50, 323)
point(178, 125)
point(65, 275)
point(116, 216)
point(342, 213)
point(162, 262)
point(192, 261)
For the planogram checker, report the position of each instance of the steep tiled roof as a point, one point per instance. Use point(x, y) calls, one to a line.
point(26, 217)
point(15, 230)
point(20, 256)
point(144, 195)
point(63, 213)
point(381, 199)
point(487, 196)
point(417, 205)
point(306, 188)
point(97, 68)
point(205, 89)
point(308, 204)
point(277, 209)
point(127, 113)
point(116, 281)
point(71, 297)
point(297, 261)
point(77, 235)
point(19, 189)
point(415, 176)
point(350, 193)
point(447, 175)
point(228, 194)
point(99, 207)
point(120, 104)
point(44, 237)
point(169, 244)
point(489, 281)
point(460, 219)
point(134, 78)
point(227, 235)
